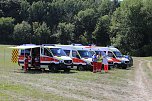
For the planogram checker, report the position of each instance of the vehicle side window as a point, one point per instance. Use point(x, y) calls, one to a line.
point(67, 52)
point(26, 51)
point(110, 54)
point(75, 54)
point(46, 52)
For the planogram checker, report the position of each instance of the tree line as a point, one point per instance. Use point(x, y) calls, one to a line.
point(124, 24)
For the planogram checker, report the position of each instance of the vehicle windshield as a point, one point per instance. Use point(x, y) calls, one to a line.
point(67, 52)
point(58, 52)
point(85, 54)
point(102, 53)
point(118, 53)
point(92, 52)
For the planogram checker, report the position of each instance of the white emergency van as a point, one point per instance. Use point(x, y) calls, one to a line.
point(81, 57)
point(117, 57)
point(51, 57)
point(95, 49)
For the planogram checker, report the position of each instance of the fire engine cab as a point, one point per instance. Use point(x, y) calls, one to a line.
point(81, 57)
point(44, 56)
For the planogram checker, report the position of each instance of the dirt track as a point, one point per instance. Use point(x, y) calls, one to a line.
point(117, 85)
point(143, 87)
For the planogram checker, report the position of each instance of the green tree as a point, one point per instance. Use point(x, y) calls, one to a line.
point(22, 33)
point(105, 7)
point(102, 31)
point(128, 26)
point(147, 11)
point(87, 21)
point(41, 33)
point(6, 29)
point(38, 11)
point(10, 8)
point(24, 11)
point(65, 33)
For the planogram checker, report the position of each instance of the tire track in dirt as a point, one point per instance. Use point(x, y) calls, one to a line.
point(142, 83)
point(149, 65)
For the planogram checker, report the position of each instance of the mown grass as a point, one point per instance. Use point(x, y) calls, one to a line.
point(22, 88)
point(5, 57)
point(147, 58)
point(28, 92)
point(146, 68)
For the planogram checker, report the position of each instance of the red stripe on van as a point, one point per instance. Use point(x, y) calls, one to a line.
point(115, 60)
point(48, 59)
point(76, 60)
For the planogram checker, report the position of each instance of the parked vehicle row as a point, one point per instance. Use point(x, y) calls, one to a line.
point(64, 57)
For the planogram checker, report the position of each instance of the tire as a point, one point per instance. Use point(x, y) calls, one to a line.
point(42, 69)
point(115, 66)
point(22, 68)
point(53, 68)
point(80, 68)
point(67, 70)
point(29, 68)
point(125, 66)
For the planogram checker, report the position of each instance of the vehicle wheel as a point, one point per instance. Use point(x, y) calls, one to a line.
point(115, 66)
point(125, 66)
point(109, 67)
point(80, 68)
point(53, 68)
point(29, 68)
point(42, 69)
point(67, 70)
point(22, 67)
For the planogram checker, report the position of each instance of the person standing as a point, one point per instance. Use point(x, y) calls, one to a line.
point(26, 63)
point(99, 62)
point(105, 62)
point(94, 60)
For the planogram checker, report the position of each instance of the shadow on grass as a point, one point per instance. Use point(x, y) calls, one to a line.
point(39, 71)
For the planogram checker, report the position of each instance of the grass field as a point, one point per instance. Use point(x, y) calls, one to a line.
point(116, 85)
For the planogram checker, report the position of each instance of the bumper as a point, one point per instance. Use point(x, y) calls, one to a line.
point(64, 66)
point(123, 65)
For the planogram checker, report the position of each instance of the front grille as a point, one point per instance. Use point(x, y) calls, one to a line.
point(126, 62)
point(68, 61)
